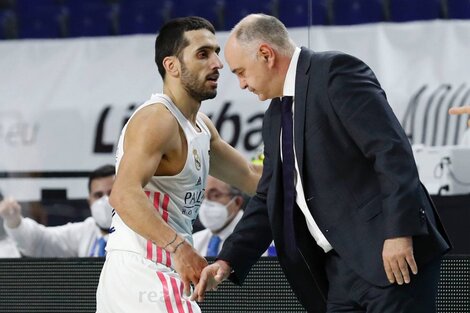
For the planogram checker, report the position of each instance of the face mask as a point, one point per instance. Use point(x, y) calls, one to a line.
point(102, 212)
point(3, 234)
point(213, 215)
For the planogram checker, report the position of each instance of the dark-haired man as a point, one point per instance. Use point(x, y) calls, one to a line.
point(81, 239)
point(162, 166)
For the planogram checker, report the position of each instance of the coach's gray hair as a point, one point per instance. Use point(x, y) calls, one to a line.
point(264, 28)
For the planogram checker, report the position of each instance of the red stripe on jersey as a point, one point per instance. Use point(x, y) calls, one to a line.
point(190, 309)
point(166, 199)
point(156, 201)
point(166, 293)
point(179, 304)
point(188, 302)
point(159, 255)
point(149, 249)
point(168, 259)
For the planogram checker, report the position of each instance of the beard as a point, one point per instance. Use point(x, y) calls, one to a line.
point(194, 86)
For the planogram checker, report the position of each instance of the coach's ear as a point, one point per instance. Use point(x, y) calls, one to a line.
point(172, 66)
point(266, 54)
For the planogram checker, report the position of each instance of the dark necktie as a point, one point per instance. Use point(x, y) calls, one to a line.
point(288, 172)
point(213, 247)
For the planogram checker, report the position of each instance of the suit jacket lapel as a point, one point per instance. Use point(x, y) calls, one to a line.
point(272, 144)
point(301, 86)
point(275, 125)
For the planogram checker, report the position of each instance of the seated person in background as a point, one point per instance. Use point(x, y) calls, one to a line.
point(463, 110)
point(220, 212)
point(82, 239)
point(8, 247)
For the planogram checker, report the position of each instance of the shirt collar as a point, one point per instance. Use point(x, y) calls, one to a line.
point(289, 82)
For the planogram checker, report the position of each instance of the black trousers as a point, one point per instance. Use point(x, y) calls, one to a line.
point(350, 293)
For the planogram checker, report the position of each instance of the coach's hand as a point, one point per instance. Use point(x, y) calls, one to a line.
point(397, 256)
point(188, 264)
point(211, 277)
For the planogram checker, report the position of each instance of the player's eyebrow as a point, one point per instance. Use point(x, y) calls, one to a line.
point(209, 47)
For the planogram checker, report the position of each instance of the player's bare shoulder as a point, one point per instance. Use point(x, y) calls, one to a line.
point(154, 124)
point(213, 131)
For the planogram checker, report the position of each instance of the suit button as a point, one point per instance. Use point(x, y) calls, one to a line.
point(422, 215)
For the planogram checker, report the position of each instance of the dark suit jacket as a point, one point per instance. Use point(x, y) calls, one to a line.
point(359, 177)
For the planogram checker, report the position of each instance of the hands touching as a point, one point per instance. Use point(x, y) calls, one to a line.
point(398, 258)
point(211, 277)
point(187, 263)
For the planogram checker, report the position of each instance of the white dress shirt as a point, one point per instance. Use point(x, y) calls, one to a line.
point(69, 240)
point(8, 248)
point(465, 141)
point(289, 90)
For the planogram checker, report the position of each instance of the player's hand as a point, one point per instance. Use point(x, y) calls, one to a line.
point(10, 210)
point(189, 265)
point(460, 110)
point(398, 258)
point(211, 277)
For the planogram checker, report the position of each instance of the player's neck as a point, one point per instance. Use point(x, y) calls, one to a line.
point(186, 104)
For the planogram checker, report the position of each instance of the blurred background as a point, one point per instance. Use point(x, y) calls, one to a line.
point(24, 19)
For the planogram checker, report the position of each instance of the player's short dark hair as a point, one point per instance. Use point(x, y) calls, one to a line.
point(171, 41)
point(101, 172)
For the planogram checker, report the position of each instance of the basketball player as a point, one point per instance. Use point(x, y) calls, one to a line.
point(162, 166)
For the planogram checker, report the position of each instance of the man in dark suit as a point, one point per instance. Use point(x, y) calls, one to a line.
point(340, 192)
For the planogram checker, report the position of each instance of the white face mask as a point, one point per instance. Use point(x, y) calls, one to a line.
point(102, 212)
point(213, 215)
point(2, 229)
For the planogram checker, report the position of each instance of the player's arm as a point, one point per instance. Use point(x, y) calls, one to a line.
point(229, 165)
point(150, 134)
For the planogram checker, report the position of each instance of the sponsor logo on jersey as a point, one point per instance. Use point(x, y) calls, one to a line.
point(197, 159)
point(199, 181)
point(192, 201)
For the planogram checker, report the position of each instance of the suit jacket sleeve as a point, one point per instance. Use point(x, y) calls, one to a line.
point(252, 235)
point(361, 105)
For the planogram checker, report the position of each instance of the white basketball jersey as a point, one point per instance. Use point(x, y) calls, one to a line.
point(176, 198)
